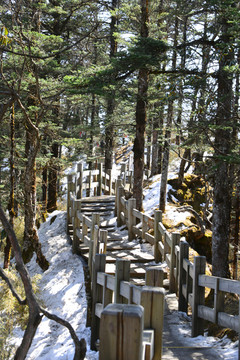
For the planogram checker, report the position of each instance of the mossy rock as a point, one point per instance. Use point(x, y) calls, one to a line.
point(200, 242)
point(190, 192)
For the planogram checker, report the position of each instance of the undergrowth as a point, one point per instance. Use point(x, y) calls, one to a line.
point(12, 314)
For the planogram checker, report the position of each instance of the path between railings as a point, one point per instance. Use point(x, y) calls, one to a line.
point(187, 279)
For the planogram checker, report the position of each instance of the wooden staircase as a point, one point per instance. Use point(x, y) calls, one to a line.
point(118, 246)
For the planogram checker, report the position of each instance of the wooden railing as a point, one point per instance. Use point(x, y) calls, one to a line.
point(187, 279)
point(108, 289)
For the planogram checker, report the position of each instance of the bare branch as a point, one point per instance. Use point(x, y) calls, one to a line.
point(13, 291)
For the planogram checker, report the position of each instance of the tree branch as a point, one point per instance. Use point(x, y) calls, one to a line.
point(13, 291)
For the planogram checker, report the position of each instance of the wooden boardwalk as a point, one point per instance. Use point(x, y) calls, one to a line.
point(118, 246)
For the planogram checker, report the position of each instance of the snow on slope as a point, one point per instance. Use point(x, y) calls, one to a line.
point(62, 293)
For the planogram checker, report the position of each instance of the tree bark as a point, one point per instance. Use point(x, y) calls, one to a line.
point(109, 126)
point(7, 249)
point(222, 188)
point(141, 116)
point(52, 179)
point(168, 132)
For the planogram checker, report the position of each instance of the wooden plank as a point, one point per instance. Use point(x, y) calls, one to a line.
point(137, 231)
point(110, 282)
point(161, 228)
point(101, 278)
point(98, 309)
point(125, 289)
point(229, 321)
point(138, 214)
point(207, 281)
point(206, 313)
point(100, 199)
point(231, 286)
point(149, 238)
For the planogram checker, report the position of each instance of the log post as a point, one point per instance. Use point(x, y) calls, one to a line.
point(103, 234)
point(84, 228)
point(152, 300)
point(157, 235)
point(100, 179)
point(123, 171)
point(144, 225)
point(95, 221)
point(70, 189)
point(118, 183)
point(122, 273)
point(120, 193)
point(76, 227)
point(79, 180)
point(131, 218)
point(88, 191)
point(107, 293)
point(121, 330)
point(98, 266)
point(154, 276)
point(184, 254)
point(218, 300)
point(172, 280)
point(198, 295)
point(110, 182)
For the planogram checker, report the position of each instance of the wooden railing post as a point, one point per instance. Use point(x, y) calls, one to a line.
point(70, 189)
point(122, 273)
point(121, 330)
point(152, 300)
point(100, 180)
point(218, 300)
point(110, 182)
point(103, 234)
point(144, 225)
point(198, 295)
point(123, 171)
point(88, 190)
point(120, 193)
point(95, 221)
point(84, 228)
point(118, 183)
point(172, 280)
point(131, 218)
point(154, 276)
point(184, 251)
point(98, 265)
point(79, 180)
point(157, 235)
point(76, 227)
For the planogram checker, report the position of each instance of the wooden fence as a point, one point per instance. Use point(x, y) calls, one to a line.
point(108, 289)
point(187, 279)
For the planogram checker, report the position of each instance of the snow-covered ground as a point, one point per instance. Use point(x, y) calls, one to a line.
point(63, 293)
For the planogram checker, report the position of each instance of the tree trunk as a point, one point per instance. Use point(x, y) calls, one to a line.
point(165, 162)
point(166, 153)
point(222, 189)
point(7, 249)
point(52, 180)
point(31, 241)
point(141, 116)
point(109, 126)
